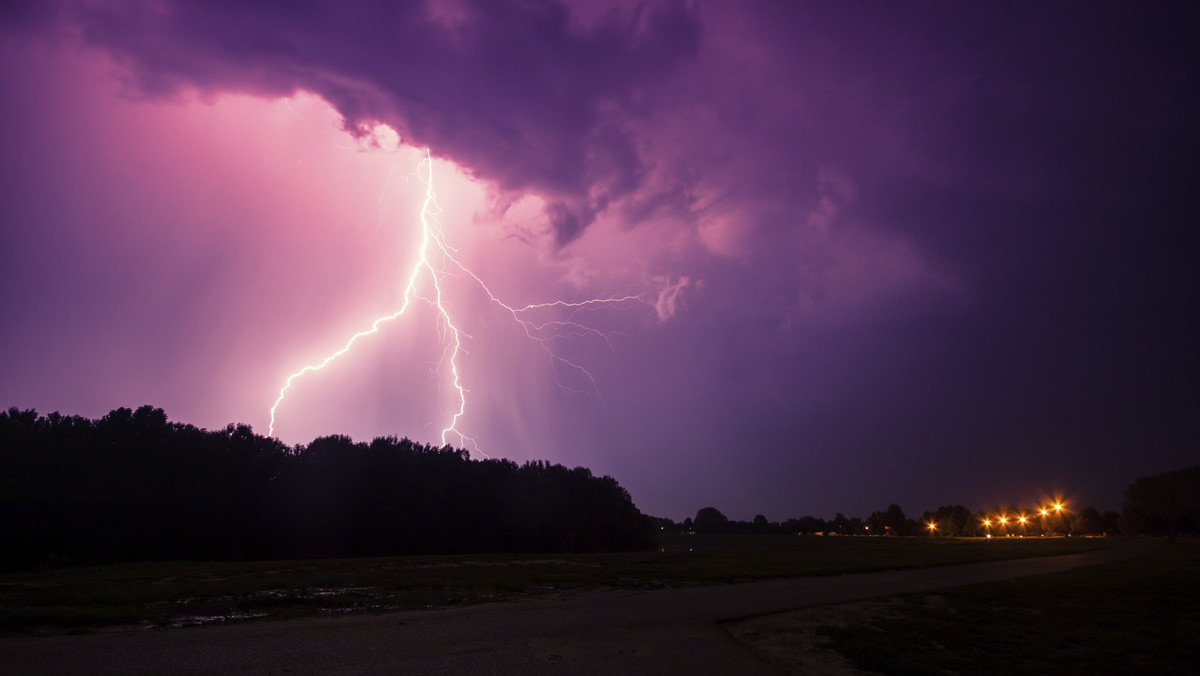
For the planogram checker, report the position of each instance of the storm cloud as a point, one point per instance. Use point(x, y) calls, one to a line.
point(889, 250)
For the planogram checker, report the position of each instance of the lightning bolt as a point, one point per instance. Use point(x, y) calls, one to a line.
point(435, 260)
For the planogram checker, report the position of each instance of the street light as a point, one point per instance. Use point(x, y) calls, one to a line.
point(1042, 526)
point(1058, 511)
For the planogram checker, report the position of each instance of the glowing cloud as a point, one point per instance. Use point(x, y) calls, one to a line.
point(436, 260)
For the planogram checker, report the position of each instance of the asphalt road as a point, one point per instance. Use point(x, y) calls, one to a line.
point(617, 632)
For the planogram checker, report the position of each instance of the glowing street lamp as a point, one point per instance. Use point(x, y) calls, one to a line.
point(1043, 512)
point(932, 527)
point(1058, 511)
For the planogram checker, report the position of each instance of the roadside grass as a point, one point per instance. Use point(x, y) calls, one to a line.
point(738, 558)
point(1140, 616)
point(176, 594)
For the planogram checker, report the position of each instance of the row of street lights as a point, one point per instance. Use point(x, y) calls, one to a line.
point(1002, 520)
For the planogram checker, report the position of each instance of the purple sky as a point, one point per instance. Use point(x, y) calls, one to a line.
point(923, 253)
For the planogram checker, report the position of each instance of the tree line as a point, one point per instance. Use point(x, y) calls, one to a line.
point(133, 486)
point(1162, 504)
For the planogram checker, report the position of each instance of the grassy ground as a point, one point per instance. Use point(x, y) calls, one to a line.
point(187, 593)
point(1134, 617)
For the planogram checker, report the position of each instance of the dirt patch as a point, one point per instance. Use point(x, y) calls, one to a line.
point(790, 640)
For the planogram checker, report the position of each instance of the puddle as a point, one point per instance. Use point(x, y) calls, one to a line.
point(311, 592)
point(198, 620)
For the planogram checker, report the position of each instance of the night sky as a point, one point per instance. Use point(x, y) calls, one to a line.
point(923, 253)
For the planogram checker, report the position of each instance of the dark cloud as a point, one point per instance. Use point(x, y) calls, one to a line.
point(521, 94)
point(920, 240)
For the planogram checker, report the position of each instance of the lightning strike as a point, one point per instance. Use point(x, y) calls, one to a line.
point(435, 261)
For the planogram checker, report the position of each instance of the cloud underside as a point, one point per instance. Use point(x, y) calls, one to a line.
point(525, 96)
point(651, 115)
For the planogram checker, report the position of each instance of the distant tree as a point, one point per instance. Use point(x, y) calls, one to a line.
point(1088, 522)
point(740, 527)
point(710, 520)
point(1134, 520)
point(840, 524)
point(1163, 503)
point(874, 524)
point(762, 526)
point(854, 526)
point(1112, 521)
point(891, 521)
point(688, 525)
point(894, 521)
point(949, 520)
point(807, 525)
point(134, 486)
point(665, 525)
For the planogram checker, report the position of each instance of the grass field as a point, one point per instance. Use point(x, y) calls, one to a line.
point(190, 593)
point(1140, 616)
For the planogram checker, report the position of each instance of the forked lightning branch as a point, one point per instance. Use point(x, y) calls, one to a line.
point(435, 259)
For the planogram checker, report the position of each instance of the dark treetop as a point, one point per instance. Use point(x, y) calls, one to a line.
point(133, 486)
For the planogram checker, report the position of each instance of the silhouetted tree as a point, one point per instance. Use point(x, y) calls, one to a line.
point(1112, 521)
point(840, 524)
point(894, 521)
point(134, 486)
point(665, 525)
point(1163, 503)
point(1088, 522)
point(950, 520)
point(806, 525)
point(874, 524)
point(710, 520)
point(854, 526)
